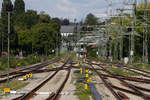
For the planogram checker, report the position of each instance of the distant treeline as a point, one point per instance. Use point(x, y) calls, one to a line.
point(30, 32)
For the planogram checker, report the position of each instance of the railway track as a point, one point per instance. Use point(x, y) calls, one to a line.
point(133, 69)
point(130, 88)
point(117, 96)
point(33, 69)
point(137, 90)
point(56, 96)
point(128, 69)
point(128, 78)
point(32, 93)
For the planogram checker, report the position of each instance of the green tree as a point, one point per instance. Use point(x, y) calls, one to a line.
point(43, 38)
point(91, 19)
point(57, 20)
point(19, 10)
point(26, 20)
point(0, 34)
point(44, 18)
point(141, 21)
point(4, 28)
point(19, 7)
point(56, 26)
point(25, 40)
point(65, 22)
point(30, 18)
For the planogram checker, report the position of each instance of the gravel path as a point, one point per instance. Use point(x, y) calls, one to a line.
point(68, 91)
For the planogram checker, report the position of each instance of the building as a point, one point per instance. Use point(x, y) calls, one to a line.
point(66, 31)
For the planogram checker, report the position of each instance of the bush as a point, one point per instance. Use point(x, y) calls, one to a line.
point(3, 64)
point(91, 52)
point(17, 62)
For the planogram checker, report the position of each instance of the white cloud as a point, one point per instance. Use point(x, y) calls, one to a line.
point(65, 8)
point(99, 12)
point(70, 11)
point(94, 2)
point(66, 2)
point(70, 8)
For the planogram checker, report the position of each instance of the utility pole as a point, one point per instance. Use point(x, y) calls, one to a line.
point(2, 42)
point(8, 47)
point(111, 39)
point(57, 44)
point(57, 47)
point(111, 31)
point(133, 32)
point(116, 44)
point(75, 34)
point(145, 38)
point(107, 48)
point(121, 38)
point(9, 9)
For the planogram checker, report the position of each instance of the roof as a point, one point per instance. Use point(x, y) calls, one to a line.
point(68, 28)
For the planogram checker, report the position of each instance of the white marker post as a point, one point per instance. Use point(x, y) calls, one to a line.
point(126, 60)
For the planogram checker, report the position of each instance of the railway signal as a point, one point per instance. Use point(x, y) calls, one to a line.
point(87, 28)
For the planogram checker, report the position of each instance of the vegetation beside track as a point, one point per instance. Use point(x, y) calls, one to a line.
point(118, 71)
point(140, 66)
point(81, 93)
point(14, 85)
point(17, 62)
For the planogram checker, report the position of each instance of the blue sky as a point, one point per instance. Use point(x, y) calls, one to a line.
point(70, 8)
